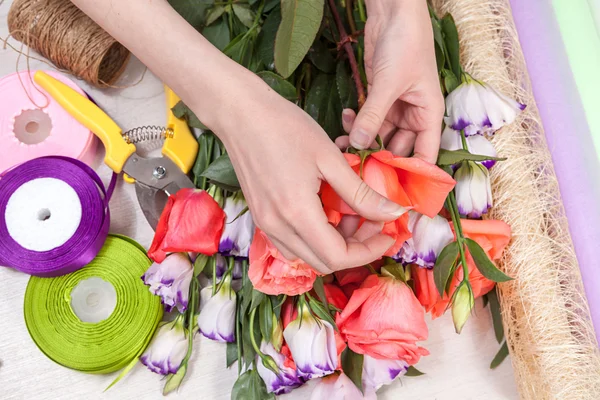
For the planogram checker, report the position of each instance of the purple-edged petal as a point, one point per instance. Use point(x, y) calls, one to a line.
point(217, 313)
point(473, 190)
point(377, 373)
point(167, 348)
point(171, 280)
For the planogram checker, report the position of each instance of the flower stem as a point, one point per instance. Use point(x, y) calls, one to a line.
point(252, 339)
point(346, 44)
point(191, 311)
point(459, 233)
point(361, 11)
point(350, 16)
point(463, 140)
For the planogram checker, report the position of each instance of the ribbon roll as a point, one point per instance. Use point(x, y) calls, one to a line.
point(99, 318)
point(54, 216)
point(28, 131)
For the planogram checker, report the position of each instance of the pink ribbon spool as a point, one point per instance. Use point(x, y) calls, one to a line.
point(28, 132)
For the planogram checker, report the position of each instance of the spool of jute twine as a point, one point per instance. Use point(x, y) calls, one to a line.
point(62, 33)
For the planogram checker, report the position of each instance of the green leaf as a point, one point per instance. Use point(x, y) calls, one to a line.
point(323, 104)
point(444, 266)
point(492, 297)
point(266, 38)
point(450, 80)
point(321, 57)
point(320, 311)
point(319, 288)
point(395, 271)
point(269, 5)
point(265, 316)
point(345, 86)
point(221, 171)
point(218, 34)
point(200, 264)
point(182, 111)
point(412, 371)
point(484, 264)
point(300, 21)
point(352, 365)
point(214, 14)
point(500, 356)
point(240, 49)
point(257, 298)
point(244, 14)
point(232, 354)
point(451, 157)
point(440, 46)
point(278, 84)
point(193, 11)
point(250, 386)
point(174, 380)
point(452, 44)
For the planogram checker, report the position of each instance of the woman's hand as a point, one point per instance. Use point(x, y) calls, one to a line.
point(281, 156)
point(404, 105)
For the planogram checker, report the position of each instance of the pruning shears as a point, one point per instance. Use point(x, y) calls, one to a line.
point(155, 178)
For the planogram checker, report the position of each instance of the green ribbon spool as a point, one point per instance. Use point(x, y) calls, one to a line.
point(107, 345)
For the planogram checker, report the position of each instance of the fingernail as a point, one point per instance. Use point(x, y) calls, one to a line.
point(389, 207)
point(359, 139)
point(347, 116)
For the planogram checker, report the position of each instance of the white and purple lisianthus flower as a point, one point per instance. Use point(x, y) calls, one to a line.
point(478, 108)
point(171, 280)
point(217, 313)
point(287, 378)
point(340, 387)
point(377, 373)
point(476, 144)
point(312, 344)
point(167, 348)
point(239, 228)
point(473, 189)
point(429, 237)
point(221, 267)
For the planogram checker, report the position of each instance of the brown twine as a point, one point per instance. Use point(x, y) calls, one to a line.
point(62, 33)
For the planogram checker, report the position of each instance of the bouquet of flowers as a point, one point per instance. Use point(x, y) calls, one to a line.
point(282, 321)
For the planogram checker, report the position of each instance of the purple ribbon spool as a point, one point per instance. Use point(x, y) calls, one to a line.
point(85, 243)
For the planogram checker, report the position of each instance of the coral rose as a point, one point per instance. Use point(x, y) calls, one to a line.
point(271, 273)
point(384, 320)
point(410, 182)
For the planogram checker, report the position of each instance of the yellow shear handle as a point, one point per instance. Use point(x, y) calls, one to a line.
point(92, 117)
point(182, 146)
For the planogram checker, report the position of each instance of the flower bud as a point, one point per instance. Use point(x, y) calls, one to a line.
point(171, 280)
point(167, 348)
point(217, 313)
point(461, 306)
point(473, 189)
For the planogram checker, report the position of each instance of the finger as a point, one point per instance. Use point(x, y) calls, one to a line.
point(342, 142)
point(296, 249)
point(427, 143)
point(331, 248)
point(349, 225)
point(371, 116)
point(402, 143)
point(367, 230)
point(283, 249)
point(348, 117)
point(387, 131)
point(355, 192)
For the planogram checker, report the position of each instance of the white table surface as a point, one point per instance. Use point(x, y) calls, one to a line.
point(458, 367)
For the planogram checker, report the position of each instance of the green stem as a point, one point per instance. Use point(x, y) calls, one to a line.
point(361, 10)
point(350, 16)
point(459, 234)
point(463, 140)
point(191, 311)
point(252, 339)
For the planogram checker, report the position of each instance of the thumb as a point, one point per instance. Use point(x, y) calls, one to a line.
point(365, 201)
point(371, 116)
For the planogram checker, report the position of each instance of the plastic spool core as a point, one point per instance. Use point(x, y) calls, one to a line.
point(32, 126)
point(93, 300)
point(44, 214)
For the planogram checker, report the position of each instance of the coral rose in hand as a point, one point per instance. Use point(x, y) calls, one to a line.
point(384, 320)
point(409, 182)
point(192, 221)
point(271, 273)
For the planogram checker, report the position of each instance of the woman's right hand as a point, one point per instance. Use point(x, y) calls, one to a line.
point(281, 156)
